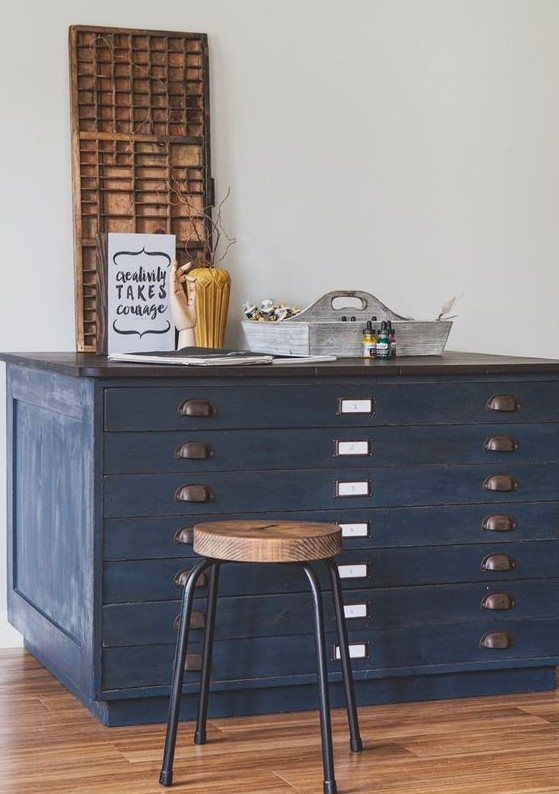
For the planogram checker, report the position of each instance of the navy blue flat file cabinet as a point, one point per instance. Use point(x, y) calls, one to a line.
point(443, 473)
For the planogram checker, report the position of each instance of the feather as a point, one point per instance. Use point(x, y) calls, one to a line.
point(447, 307)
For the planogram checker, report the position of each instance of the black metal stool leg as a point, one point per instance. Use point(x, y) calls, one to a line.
point(200, 732)
point(322, 675)
point(355, 743)
point(166, 776)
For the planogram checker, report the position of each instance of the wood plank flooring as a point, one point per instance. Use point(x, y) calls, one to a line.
point(493, 745)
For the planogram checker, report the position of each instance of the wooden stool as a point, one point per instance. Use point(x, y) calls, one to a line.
point(287, 542)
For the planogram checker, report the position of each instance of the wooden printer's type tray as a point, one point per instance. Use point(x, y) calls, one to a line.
point(140, 145)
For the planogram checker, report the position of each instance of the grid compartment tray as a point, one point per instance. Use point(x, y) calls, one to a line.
point(140, 145)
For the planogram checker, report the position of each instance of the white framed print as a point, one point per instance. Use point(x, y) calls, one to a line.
point(137, 277)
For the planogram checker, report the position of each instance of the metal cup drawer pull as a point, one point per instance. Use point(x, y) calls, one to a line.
point(496, 640)
point(184, 535)
point(197, 408)
point(197, 620)
point(194, 450)
point(194, 492)
point(500, 482)
point(503, 402)
point(182, 576)
point(498, 601)
point(498, 562)
point(500, 444)
point(499, 523)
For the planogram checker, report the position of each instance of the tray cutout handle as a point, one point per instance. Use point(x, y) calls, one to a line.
point(342, 303)
point(324, 309)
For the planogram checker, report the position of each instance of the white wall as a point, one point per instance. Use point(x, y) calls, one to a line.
point(409, 148)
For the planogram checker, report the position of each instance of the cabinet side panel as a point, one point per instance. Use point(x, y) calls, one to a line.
point(49, 520)
point(51, 523)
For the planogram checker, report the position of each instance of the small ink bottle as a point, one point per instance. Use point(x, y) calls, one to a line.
point(392, 339)
point(374, 344)
point(383, 345)
point(367, 340)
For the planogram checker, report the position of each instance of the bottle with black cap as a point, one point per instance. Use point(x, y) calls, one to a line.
point(368, 341)
point(383, 343)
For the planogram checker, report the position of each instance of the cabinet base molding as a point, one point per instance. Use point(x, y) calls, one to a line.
point(270, 700)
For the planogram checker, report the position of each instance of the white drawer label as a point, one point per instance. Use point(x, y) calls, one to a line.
point(358, 488)
point(355, 611)
point(354, 530)
point(356, 406)
point(357, 651)
point(352, 571)
point(352, 447)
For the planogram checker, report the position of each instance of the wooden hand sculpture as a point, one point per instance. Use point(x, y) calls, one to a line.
point(183, 303)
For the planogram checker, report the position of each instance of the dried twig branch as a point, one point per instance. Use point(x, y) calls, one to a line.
point(210, 242)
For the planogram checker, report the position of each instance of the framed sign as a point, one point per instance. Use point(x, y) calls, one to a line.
point(134, 284)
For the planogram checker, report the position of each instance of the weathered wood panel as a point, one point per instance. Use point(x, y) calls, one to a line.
point(140, 145)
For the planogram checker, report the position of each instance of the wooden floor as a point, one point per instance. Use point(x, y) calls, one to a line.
point(494, 745)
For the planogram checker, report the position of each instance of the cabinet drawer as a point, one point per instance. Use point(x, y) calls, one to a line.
point(287, 614)
point(460, 645)
point(153, 580)
point(448, 564)
point(266, 491)
point(197, 405)
point(159, 580)
point(233, 660)
point(410, 649)
point(217, 492)
point(219, 450)
point(478, 603)
point(261, 616)
point(222, 450)
point(155, 537)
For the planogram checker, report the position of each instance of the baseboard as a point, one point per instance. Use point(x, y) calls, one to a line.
point(9, 637)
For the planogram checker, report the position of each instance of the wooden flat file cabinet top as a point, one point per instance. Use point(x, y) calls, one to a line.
point(442, 472)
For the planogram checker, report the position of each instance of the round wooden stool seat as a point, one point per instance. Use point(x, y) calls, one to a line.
point(267, 541)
